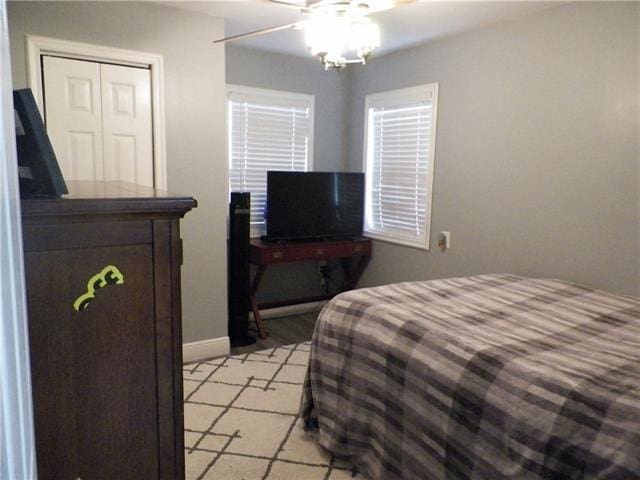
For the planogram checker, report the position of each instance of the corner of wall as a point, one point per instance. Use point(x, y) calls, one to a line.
point(346, 116)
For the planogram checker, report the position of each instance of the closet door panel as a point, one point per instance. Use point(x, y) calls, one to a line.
point(73, 115)
point(126, 123)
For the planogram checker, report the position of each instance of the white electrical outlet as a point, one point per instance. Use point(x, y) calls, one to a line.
point(445, 239)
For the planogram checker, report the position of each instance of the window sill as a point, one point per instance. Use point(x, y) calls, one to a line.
point(397, 241)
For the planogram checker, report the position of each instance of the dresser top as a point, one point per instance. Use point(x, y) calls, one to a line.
point(108, 198)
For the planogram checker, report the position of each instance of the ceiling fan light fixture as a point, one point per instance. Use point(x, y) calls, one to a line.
point(337, 38)
point(326, 33)
point(364, 36)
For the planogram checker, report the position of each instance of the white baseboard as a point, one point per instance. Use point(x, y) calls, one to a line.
point(205, 349)
point(219, 347)
point(290, 310)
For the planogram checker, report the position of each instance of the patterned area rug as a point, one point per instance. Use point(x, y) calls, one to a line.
point(241, 420)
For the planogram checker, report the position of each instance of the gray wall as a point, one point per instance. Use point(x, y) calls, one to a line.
point(537, 148)
point(301, 75)
point(195, 128)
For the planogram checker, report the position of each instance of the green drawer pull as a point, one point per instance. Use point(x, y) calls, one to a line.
point(109, 275)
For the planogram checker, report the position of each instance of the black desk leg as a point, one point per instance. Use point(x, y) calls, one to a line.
point(262, 328)
point(352, 274)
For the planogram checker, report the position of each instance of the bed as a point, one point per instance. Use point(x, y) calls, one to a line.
point(485, 377)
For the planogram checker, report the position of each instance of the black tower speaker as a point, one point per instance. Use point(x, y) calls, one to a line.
point(238, 269)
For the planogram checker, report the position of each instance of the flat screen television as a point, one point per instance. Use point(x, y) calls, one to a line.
point(314, 205)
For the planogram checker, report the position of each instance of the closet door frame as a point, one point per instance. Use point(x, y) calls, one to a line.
point(37, 46)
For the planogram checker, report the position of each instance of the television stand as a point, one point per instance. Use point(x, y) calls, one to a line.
point(354, 256)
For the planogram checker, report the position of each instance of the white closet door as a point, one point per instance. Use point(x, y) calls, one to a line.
point(126, 124)
point(74, 116)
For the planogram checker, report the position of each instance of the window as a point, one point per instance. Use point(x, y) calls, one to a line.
point(399, 153)
point(268, 130)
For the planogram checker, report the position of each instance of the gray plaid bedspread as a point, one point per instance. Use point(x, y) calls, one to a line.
point(486, 377)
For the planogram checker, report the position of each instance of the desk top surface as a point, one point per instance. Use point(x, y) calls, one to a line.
point(261, 253)
point(261, 244)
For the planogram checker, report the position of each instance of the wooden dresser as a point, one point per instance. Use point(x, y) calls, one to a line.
point(102, 269)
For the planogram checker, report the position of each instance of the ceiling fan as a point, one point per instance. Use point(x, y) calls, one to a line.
point(338, 32)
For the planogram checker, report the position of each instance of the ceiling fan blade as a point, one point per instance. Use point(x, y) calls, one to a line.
point(301, 7)
point(259, 32)
point(382, 5)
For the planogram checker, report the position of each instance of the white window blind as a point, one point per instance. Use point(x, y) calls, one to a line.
point(399, 156)
point(268, 130)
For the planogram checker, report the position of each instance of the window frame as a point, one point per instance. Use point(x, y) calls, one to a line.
point(391, 97)
point(268, 95)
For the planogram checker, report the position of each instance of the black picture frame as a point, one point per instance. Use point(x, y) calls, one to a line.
point(39, 171)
